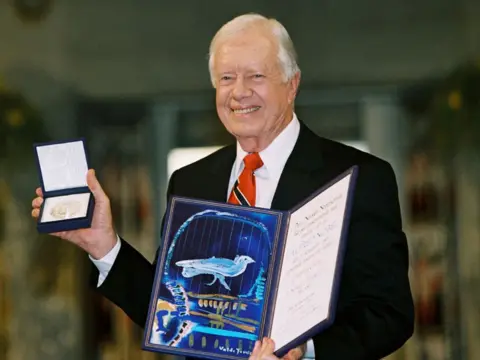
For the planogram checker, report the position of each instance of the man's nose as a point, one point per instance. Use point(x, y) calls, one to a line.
point(241, 90)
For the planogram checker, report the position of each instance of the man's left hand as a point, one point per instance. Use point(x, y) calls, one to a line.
point(264, 349)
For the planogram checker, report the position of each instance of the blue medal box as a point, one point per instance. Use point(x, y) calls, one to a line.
point(68, 202)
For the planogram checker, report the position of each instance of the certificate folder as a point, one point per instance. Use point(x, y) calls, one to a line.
point(68, 203)
point(228, 275)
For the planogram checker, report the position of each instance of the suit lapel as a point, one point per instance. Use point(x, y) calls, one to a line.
point(219, 176)
point(303, 173)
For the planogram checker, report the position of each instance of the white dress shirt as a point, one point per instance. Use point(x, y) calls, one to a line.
point(274, 158)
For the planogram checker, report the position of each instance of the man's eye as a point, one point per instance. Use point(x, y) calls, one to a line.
point(258, 76)
point(225, 77)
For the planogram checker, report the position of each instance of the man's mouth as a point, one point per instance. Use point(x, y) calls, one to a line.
point(246, 110)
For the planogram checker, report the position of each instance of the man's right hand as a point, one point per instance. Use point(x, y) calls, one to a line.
point(100, 238)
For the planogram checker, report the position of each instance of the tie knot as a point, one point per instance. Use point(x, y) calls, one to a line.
point(253, 161)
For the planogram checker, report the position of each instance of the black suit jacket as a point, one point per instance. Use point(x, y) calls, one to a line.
point(375, 314)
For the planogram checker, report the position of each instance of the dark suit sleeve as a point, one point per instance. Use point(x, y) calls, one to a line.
point(375, 314)
point(130, 280)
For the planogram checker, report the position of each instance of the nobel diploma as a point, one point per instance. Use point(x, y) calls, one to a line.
point(309, 264)
point(228, 275)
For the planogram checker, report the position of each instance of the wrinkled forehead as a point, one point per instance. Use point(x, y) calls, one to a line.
point(245, 49)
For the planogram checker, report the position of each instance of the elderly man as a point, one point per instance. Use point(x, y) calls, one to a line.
point(280, 161)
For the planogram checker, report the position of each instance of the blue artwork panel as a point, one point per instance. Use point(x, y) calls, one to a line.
point(216, 262)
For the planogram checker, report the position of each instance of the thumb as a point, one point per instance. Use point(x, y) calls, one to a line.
point(95, 187)
point(293, 354)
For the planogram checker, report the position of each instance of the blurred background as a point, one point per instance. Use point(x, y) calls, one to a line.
point(399, 79)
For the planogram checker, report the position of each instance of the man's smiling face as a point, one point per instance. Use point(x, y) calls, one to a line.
point(254, 102)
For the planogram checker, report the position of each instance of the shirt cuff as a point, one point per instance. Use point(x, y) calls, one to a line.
point(105, 264)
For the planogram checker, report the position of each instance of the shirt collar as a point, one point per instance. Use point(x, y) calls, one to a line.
point(276, 154)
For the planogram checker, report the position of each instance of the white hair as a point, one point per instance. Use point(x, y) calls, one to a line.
point(287, 56)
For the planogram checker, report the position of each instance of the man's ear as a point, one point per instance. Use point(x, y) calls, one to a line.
point(293, 85)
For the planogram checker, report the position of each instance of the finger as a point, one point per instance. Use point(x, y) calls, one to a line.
point(296, 353)
point(95, 187)
point(35, 213)
point(256, 351)
point(37, 202)
point(269, 357)
point(270, 345)
point(65, 235)
point(257, 348)
point(266, 345)
point(39, 192)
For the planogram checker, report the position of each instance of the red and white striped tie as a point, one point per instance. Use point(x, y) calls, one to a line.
point(244, 192)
